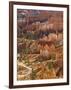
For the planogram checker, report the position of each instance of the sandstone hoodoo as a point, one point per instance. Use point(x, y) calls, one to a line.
point(39, 44)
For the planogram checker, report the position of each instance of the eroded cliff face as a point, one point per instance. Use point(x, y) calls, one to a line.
point(39, 44)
